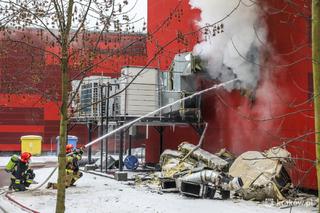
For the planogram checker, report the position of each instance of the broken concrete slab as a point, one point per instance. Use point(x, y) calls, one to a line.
point(121, 176)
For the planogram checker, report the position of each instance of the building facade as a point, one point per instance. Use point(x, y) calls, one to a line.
point(280, 112)
point(30, 81)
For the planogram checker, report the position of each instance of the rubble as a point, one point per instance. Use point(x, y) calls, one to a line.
point(169, 185)
point(196, 172)
point(226, 155)
point(263, 174)
point(253, 175)
point(171, 164)
point(210, 160)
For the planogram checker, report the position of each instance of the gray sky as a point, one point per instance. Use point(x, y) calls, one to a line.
point(139, 11)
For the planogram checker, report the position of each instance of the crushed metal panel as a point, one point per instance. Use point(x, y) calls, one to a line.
point(252, 167)
point(192, 189)
point(261, 173)
point(212, 161)
point(168, 153)
point(168, 185)
point(171, 165)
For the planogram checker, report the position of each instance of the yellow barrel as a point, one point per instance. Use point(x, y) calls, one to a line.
point(31, 143)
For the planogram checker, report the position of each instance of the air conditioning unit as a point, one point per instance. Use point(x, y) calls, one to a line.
point(141, 96)
point(87, 101)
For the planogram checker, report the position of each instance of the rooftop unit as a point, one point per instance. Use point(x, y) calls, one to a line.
point(141, 96)
point(141, 91)
point(180, 82)
point(88, 98)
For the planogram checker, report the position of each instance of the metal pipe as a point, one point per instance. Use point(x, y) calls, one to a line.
point(101, 126)
point(107, 125)
point(199, 144)
point(130, 144)
point(216, 178)
point(205, 176)
point(159, 109)
point(89, 139)
point(161, 139)
point(121, 151)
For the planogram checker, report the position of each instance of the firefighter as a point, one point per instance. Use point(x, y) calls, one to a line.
point(21, 175)
point(72, 167)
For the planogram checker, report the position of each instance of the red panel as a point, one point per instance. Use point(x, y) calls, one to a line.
point(10, 147)
point(167, 19)
point(17, 128)
point(51, 111)
point(152, 146)
point(51, 55)
point(20, 101)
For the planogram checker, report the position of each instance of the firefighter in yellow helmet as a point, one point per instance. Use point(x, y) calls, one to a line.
point(21, 175)
point(72, 167)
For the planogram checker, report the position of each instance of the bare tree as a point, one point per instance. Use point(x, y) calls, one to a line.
point(63, 26)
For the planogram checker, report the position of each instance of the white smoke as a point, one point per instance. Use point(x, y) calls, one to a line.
point(231, 49)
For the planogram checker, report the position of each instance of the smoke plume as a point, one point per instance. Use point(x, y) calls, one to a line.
point(231, 47)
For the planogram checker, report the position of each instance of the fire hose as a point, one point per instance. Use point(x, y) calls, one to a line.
point(18, 203)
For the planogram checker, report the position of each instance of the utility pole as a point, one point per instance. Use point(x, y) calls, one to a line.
point(316, 82)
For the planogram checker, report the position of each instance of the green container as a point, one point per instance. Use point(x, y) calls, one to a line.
point(12, 162)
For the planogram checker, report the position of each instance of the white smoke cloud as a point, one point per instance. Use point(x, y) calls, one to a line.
point(233, 53)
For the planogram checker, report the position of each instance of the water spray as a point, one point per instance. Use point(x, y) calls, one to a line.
point(158, 110)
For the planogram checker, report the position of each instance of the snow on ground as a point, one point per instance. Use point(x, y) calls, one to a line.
point(7, 206)
point(101, 194)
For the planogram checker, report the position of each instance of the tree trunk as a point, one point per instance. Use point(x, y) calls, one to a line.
point(316, 82)
point(60, 206)
point(65, 33)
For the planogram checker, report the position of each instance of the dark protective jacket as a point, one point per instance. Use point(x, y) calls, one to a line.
point(20, 170)
point(22, 176)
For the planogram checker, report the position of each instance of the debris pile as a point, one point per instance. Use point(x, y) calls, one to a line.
point(195, 172)
point(254, 175)
point(263, 174)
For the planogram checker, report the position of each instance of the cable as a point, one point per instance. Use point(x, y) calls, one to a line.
point(46, 180)
point(19, 204)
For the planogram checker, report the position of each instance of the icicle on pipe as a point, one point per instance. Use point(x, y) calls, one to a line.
point(157, 110)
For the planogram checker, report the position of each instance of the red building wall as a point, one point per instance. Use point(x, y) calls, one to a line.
point(282, 111)
point(30, 81)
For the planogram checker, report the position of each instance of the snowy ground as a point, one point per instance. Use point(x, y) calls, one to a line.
point(101, 194)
